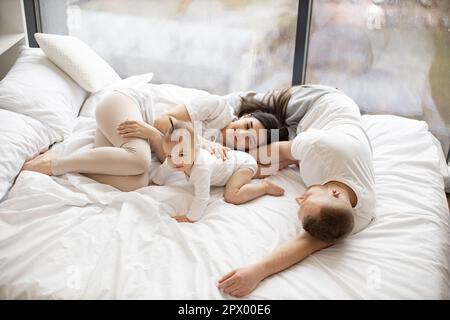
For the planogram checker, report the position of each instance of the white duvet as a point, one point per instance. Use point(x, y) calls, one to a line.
point(71, 238)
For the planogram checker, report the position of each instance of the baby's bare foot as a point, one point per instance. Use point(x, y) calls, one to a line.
point(273, 189)
point(42, 163)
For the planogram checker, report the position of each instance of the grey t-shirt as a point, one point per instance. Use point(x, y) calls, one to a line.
point(302, 99)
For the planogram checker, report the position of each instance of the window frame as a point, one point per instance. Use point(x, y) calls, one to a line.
point(302, 41)
point(32, 20)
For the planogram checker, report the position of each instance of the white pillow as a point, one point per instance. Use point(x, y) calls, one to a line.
point(21, 138)
point(38, 88)
point(79, 61)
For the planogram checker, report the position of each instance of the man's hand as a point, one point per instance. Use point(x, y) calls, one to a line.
point(183, 219)
point(134, 129)
point(220, 151)
point(241, 282)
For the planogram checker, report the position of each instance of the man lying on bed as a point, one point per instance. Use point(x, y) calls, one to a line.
point(335, 159)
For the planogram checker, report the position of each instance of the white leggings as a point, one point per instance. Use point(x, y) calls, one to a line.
point(120, 162)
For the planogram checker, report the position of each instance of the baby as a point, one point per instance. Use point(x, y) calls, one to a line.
point(204, 170)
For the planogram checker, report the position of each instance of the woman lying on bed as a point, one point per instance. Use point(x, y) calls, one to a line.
point(126, 129)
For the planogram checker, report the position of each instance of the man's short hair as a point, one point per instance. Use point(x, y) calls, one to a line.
point(331, 224)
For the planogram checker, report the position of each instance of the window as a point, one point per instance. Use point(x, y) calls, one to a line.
point(220, 46)
point(390, 56)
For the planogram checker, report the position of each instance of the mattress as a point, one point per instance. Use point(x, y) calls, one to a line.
point(69, 237)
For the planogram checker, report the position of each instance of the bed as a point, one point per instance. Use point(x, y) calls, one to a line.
point(69, 237)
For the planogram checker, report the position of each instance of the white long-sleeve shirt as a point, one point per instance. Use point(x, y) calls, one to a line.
point(207, 171)
point(216, 112)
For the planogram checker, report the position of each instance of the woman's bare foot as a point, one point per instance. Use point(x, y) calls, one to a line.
point(42, 163)
point(273, 189)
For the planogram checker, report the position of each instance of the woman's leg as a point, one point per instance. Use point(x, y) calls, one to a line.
point(123, 183)
point(239, 190)
point(127, 156)
point(113, 156)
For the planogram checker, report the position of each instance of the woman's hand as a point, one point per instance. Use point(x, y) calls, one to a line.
point(220, 151)
point(134, 129)
point(183, 219)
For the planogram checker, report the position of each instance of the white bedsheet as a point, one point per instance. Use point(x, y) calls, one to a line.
point(71, 238)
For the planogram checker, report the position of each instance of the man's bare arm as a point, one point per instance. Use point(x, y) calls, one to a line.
point(241, 282)
point(272, 158)
point(266, 171)
point(290, 253)
point(279, 151)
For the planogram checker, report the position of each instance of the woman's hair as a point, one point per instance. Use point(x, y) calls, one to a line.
point(270, 111)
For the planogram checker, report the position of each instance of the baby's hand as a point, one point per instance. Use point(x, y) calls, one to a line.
point(183, 219)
